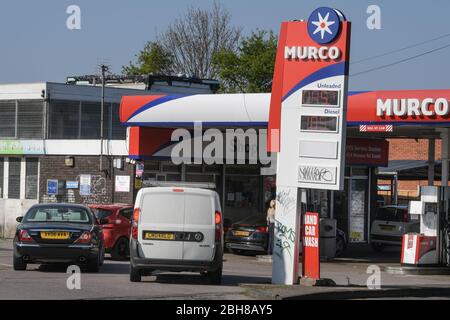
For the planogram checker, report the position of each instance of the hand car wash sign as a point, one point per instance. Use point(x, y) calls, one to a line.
point(307, 122)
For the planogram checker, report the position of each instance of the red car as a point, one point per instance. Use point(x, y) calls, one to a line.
point(117, 231)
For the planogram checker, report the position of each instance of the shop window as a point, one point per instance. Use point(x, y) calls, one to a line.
point(170, 167)
point(200, 178)
point(8, 119)
point(243, 169)
point(14, 178)
point(2, 172)
point(241, 197)
point(31, 178)
point(30, 115)
point(194, 168)
point(151, 165)
point(360, 172)
point(215, 168)
point(173, 177)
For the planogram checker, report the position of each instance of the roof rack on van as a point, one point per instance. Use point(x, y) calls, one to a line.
point(202, 185)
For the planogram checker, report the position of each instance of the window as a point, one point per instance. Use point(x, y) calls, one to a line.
point(72, 120)
point(31, 176)
point(58, 214)
point(91, 120)
point(126, 213)
point(14, 178)
point(8, 119)
point(30, 119)
point(2, 172)
point(118, 131)
point(64, 119)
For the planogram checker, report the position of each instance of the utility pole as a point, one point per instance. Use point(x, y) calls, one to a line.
point(104, 69)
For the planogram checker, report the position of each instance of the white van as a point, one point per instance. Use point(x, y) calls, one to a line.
point(176, 229)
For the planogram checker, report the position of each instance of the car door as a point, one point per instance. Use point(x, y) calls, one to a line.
point(199, 226)
point(161, 225)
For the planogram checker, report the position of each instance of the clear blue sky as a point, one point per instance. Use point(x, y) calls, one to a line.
point(37, 46)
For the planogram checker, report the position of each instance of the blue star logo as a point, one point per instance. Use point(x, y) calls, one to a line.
point(324, 25)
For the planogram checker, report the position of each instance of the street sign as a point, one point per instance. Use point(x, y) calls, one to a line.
point(311, 254)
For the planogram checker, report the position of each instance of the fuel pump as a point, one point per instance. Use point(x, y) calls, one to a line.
point(430, 247)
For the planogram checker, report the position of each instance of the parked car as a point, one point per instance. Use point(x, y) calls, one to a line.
point(251, 235)
point(117, 228)
point(177, 229)
point(248, 235)
point(389, 226)
point(58, 233)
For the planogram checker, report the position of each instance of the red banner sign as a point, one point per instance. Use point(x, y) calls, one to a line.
point(368, 152)
point(311, 255)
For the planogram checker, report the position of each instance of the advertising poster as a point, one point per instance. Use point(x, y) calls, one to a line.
point(85, 185)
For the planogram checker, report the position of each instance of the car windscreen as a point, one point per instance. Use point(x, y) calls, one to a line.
point(58, 214)
point(102, 213)
point(259, 220)
point(391, 214)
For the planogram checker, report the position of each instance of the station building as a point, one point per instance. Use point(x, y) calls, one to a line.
point(51, 131)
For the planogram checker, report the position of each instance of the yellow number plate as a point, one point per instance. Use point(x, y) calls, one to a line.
point(241, 233)
point(50, 235)
point(159, 236)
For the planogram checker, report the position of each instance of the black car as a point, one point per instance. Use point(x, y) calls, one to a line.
point(249, 234)
point(58, 233)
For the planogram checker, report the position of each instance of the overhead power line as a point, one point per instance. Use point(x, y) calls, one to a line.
point(400, 61)
point(400, 49)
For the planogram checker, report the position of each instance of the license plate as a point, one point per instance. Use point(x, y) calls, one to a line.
point(387, 228)
point(159, 236)
point(241, 233)
point(52, 235)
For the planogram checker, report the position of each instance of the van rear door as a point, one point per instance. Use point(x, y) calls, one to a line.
point(199, 226)
point(161, 225)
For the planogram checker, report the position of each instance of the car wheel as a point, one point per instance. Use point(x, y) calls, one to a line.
point(377, 247)
point(121, 250)
point(340, 246)
point(94, 264)
point(19, 264)
point(215, 277)
point(135, 274)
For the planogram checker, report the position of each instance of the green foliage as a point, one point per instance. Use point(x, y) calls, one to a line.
point(250, 69)
point(153, 59)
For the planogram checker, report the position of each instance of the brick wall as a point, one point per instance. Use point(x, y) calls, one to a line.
point(102, 186)
point(410, 149)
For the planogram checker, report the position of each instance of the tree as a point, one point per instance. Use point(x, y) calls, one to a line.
point(250, 69)
point(152, 59)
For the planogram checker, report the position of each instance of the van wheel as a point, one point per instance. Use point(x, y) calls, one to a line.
point(121, 250)
point(377, 247)
point(215, 277)
point(135, 274)
point(19, 264)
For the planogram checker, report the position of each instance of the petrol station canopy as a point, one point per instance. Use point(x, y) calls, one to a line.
point(413, 113)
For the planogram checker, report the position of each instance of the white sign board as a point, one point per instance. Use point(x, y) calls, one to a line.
point(122, 184)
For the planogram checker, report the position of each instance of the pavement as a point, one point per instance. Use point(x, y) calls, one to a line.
point(245, 278)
